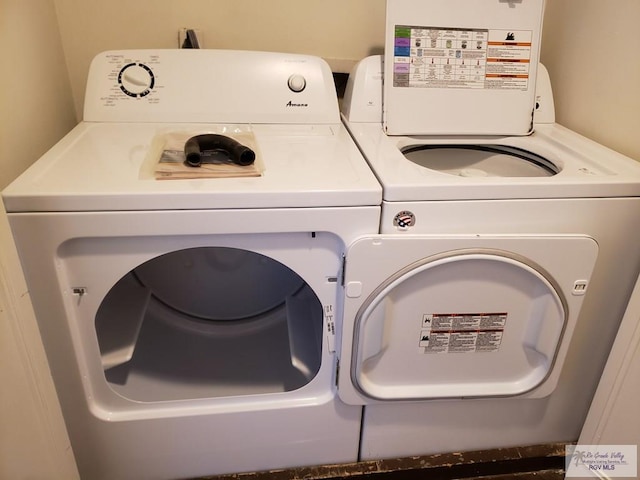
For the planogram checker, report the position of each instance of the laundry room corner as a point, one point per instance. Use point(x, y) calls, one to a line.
point(591, 50)
point(37, 110)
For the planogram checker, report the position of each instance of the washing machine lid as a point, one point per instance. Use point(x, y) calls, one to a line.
point(456, 67)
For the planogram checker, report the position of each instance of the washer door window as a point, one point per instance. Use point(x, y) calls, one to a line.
point(463, 317)
point(209, 322)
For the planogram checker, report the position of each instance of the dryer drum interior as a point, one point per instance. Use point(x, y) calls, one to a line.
point(209, 322)
point(480, 160)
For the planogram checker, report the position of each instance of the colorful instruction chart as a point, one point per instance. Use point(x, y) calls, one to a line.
point(435, 57)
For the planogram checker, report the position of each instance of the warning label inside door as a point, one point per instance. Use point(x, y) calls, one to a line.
point(462, 332)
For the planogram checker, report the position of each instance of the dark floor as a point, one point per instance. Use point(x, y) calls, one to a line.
point(542, 462)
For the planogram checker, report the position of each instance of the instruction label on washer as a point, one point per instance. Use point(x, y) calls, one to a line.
point(462, 332)
point(437, 57)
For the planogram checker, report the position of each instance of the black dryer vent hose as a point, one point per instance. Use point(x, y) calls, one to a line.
point(209, 143)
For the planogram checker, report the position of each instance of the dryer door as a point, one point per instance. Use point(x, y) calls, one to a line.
point(431, 317)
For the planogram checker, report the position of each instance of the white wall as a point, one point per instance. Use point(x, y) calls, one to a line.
point(591, 48)
point(35, 111)
point(613, 418)
point(34, 85)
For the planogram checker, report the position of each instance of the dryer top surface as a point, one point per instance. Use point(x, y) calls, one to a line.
point(110, 167)
point(142, 106)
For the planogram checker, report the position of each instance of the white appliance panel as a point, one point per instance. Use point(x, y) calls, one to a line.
point(392, 429)
point(120, 434)
point(129, 239)
point(591, 194)
point(585, 168)
point(467, 316)
point(362, 101)
point(109, 166)
point(127, 271)
point(209, 86)
point(137, 99)
point(450, 63)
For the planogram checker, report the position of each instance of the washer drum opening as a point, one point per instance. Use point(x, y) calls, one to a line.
point(480, 160)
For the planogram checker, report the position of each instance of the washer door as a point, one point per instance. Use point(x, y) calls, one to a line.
point(463, 317)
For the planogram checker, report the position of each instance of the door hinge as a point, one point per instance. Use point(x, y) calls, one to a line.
point(337, 370)
point(343, 270)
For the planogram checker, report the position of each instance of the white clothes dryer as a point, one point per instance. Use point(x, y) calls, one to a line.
point(191, 322)
point(506, 256)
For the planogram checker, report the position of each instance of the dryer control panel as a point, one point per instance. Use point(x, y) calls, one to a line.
point(214, 86)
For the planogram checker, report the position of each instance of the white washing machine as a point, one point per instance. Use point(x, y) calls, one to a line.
point(507, 251)
point(191, 322)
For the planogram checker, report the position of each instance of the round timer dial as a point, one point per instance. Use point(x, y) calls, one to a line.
point(136, 80)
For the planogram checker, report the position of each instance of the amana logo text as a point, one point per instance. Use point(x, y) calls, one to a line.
point(291, 104)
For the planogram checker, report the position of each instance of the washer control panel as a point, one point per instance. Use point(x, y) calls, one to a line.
point(217, 86)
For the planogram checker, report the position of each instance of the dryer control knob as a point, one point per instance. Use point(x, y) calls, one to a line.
point(297, 83)
point(136, 79)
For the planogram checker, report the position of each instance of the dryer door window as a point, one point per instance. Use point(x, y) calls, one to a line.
point(209, 322)
point(462, 317)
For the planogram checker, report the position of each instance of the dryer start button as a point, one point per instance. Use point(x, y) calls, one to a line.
point(297, 83)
